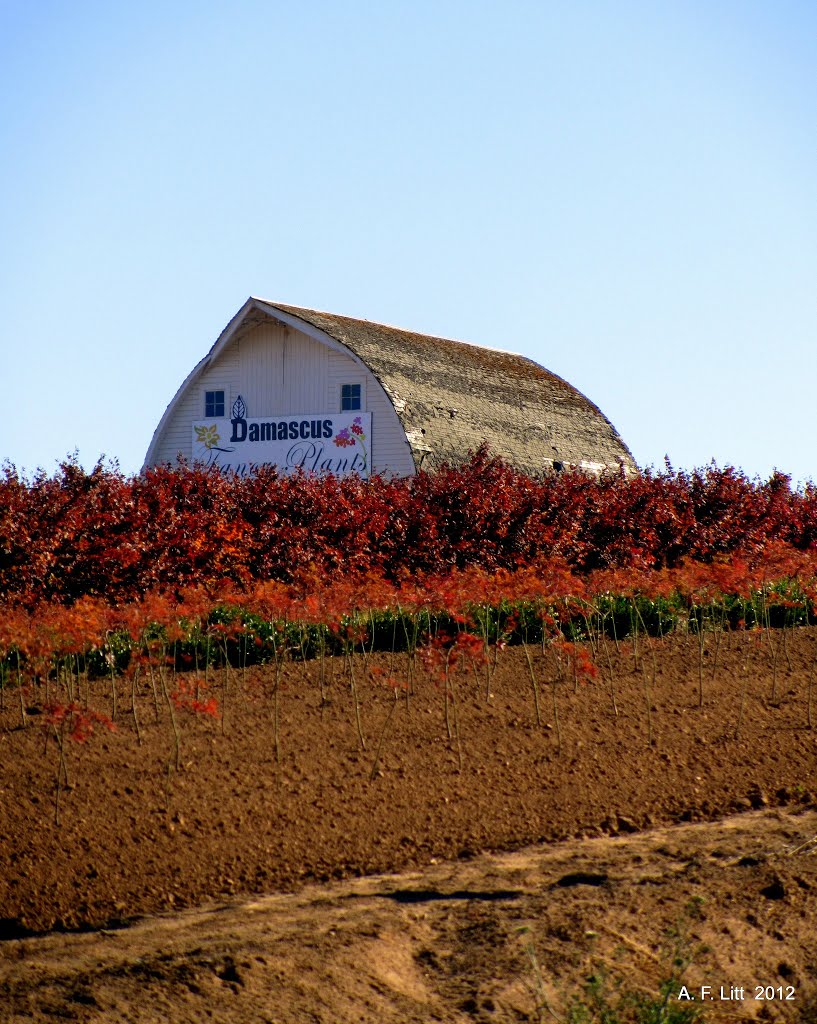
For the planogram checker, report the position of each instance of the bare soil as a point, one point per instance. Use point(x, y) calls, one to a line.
point(629, 825)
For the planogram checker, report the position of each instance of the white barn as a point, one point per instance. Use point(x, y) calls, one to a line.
point(303, 389)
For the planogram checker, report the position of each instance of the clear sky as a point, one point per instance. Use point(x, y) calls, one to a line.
point(624, 191)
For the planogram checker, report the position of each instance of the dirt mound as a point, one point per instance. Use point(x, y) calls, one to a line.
point(629, 752)
point(722, 912)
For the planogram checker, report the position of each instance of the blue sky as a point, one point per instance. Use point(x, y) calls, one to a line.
point(625, 192)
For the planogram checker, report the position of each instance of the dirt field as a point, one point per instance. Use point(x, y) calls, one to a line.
point(616, 866)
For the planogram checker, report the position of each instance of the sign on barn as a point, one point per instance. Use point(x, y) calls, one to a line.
point(334, 443)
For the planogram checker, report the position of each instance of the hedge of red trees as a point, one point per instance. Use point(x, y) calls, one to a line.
point(102, 533)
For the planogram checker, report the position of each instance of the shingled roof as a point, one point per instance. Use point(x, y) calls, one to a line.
point(451, 396)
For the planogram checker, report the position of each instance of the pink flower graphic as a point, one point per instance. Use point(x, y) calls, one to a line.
point(343, 440)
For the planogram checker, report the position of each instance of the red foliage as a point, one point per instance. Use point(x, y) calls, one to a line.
point(580, 664)
point(186, 697)
point(75, 721)
point(103, 535)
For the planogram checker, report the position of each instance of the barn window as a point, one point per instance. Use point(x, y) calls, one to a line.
point(349, 397)
point(214, 404)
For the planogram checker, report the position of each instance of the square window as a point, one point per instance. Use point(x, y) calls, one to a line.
point(349, 397)
point(214, 405)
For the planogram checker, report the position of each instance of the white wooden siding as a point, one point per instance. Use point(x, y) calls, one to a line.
point(177, 435)
point(278, 372)
point(390, 450)
point(282, 372)
point(261, 363)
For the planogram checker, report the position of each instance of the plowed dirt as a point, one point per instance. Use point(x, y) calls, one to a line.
point(601, 785)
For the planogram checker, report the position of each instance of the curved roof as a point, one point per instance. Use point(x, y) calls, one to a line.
point(451, 396)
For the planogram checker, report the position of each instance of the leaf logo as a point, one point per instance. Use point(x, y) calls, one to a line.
point(208, 436)
point(239, 409)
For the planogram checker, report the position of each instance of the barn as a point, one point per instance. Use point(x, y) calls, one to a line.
point(302, 389)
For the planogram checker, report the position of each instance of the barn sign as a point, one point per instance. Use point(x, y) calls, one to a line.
point(335, 443)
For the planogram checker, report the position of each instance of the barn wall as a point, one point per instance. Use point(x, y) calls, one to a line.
point(390, 450)
point(282, 372)
point(279, 372)
point(223, 372)
point(260, 369)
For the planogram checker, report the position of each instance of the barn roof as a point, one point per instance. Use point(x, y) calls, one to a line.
point(450, 396)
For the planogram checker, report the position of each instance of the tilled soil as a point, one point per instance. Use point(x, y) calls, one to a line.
point(629, 752)
point(500, 938)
